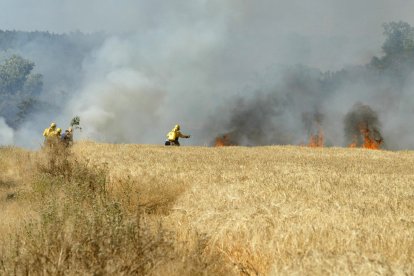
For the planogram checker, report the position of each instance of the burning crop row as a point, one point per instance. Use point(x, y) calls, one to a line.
point(317, 140)
point(361, 126)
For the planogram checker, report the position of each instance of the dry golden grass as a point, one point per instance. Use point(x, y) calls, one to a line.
point(236, 210)
point(13, 162)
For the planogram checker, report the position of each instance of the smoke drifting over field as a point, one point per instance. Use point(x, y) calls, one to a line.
point(252, 69)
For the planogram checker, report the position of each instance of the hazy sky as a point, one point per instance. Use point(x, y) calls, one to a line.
point(354, 25)
point(318, 17)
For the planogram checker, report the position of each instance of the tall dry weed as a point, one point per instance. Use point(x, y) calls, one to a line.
point(81, 229)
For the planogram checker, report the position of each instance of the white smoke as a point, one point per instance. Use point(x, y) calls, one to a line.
point(118, 106)
point(137, 87)
point(6, 133)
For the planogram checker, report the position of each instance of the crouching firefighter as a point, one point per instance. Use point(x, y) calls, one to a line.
point(173, 135)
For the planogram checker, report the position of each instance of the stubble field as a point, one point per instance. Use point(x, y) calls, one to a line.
point(140, 209)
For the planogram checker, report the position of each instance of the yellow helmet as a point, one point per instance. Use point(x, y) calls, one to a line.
point(58, 130)
point(177, 127)
point(53, 125)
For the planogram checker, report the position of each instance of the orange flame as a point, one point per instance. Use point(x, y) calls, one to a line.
point(317, 140)
point(223, 141)
point(368, 141)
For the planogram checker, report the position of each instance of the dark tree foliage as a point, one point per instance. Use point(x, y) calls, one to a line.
point(76, 41)
point(398, 59)
point(19, 89)
point(399, 38)
point(393, 68)
point(59, 58)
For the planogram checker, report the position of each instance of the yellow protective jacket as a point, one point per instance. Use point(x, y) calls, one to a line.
point(56, 134)
point(175, 134)
point(49, 132)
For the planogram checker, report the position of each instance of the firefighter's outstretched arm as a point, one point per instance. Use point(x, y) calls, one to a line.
point(183, 135)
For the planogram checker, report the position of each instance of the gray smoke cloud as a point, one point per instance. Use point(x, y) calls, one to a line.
point(253, 122)
point(214, 67)
point(312, 121)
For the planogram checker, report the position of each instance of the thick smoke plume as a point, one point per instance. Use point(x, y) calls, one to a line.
point(312, 121)
point(249, 70)
point(251, 123)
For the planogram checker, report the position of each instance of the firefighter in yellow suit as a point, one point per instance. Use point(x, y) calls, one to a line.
point(48, 132)
point(52, 135)
point(173, 135)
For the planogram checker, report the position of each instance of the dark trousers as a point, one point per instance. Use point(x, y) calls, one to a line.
point(172, 143)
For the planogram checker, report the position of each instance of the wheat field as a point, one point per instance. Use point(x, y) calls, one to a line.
point(104, 209)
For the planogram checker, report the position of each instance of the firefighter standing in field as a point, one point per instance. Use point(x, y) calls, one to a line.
point(173, 135)
point(48, 131)
point(55, 137)
point(51, 134)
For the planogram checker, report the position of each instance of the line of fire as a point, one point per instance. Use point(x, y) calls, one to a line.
point(361, 128)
